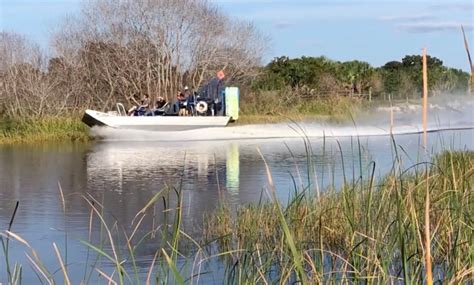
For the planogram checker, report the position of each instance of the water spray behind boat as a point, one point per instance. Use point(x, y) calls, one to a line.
point(446, 112)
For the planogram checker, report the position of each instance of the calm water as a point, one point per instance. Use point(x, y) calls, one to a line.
point(125, 175)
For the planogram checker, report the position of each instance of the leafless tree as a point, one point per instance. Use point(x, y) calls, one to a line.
point(124, 49)
point(29, 88)
point(15, 49)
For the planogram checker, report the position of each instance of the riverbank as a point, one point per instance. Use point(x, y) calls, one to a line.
point(62, 129)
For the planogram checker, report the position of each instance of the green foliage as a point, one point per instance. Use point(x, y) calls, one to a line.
point(363, 233)
point(329, 78)
point(298, 104)
point(356, 75)
point(304, 71)
point(405, 77)
point(42, 130)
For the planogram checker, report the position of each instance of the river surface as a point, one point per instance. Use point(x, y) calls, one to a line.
point(124, 176)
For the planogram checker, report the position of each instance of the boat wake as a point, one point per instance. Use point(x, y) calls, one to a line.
point(453, 113)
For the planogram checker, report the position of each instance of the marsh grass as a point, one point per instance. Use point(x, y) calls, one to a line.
point(365, 232)
point(42, 130)
point(368, 231)
point(284, 105)
point(14, 276)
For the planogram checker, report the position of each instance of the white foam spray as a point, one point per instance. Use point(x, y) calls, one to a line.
point(445, 112)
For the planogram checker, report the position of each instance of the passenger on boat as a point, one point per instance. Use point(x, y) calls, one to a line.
point(141, 109)
point(160, 102)
point(190, 100)
point(161, 106)
point(182, 104)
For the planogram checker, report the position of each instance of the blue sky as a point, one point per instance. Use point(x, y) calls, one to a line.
point(368, 30)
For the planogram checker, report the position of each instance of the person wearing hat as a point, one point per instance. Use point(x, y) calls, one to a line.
point(187, 92)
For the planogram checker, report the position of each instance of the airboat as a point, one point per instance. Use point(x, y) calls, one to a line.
point(202, 114)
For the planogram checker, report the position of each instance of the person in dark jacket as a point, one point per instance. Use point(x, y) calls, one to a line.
point(212, 91)
point(182, 104)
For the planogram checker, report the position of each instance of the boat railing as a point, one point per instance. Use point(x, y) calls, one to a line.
point(121, 109)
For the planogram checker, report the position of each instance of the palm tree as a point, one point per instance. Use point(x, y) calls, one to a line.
point(356, 75)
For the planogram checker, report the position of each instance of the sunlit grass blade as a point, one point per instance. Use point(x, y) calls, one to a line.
point(177, 276)
point(297, 257)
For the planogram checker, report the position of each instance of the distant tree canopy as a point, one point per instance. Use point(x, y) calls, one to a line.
point(405, 77)
point(324, 76)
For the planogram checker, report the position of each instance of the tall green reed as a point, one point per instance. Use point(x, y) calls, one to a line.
point(370, 231)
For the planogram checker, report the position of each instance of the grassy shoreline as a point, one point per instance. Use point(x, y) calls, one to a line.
point(29, 131)
point(267, 108)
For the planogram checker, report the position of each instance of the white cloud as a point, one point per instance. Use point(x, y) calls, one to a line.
point(462, 6)
point(283, 25)
point(247, 1)
point(428, 27)
point(408, 18)
point(292, 13)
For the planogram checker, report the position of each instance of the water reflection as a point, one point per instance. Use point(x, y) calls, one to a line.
point(233, 169)
point(130, 172)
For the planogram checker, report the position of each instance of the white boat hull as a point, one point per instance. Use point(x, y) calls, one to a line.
point(153, 123)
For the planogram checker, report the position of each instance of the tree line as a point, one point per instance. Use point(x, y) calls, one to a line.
point(322, 76)
point(118, 51)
